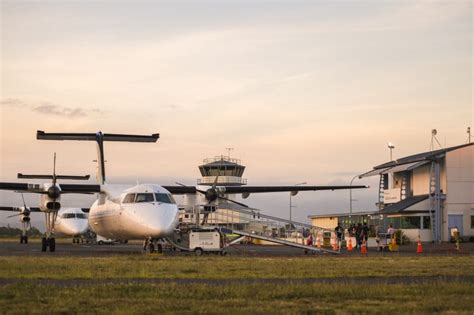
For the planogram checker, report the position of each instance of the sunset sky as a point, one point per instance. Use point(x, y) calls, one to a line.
point(306, 91)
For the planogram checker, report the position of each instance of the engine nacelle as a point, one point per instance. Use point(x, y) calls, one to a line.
point(24, 218)
point(48, 204)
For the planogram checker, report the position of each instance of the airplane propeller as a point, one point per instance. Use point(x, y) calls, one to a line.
point(25, 211)
point(54, 191)
point(212, 193)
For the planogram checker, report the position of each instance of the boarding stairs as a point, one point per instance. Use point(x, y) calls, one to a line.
point(236, 223)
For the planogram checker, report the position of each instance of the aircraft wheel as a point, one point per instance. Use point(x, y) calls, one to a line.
point(151, 248)
point(21, 239)
point(198, 252)
point(52, 244)
point(44, 244)
point(25, 239)
point(223, 253)
point(100, 243)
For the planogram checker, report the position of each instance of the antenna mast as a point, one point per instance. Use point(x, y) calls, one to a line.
point(433, 139)
point(228, 152)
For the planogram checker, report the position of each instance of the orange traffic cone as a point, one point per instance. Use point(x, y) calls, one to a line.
point(363, 249)
point(349, 247)
point(419, 248)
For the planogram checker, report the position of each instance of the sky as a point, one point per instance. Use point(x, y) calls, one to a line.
point(304, 91)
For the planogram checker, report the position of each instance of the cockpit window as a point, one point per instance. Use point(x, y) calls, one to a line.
point(148, 197)
point(130, 198)
point(164, 198)
point(68, 216)
point(81, 216)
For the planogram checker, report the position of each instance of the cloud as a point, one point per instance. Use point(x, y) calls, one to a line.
point(50, 109)
point(13, 102)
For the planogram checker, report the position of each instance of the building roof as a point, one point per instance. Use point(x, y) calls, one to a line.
point(221, 163)
point(337, 215)
point(411, 162)
point(425, 156)
point(399, 207)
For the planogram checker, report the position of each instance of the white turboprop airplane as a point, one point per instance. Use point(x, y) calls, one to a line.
point(146, 211)
point(70, 222)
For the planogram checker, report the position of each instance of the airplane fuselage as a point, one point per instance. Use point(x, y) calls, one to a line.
point(71, 222)
point(138, 212)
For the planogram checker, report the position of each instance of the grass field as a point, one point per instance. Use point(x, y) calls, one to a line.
point(236, 285)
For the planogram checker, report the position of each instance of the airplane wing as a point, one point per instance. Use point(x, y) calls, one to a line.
point(33, 209)
point(38, 188)
point(183, 190)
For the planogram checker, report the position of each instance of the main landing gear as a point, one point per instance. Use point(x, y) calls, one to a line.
point(151, 245)
point(26, 225)
point(23, 239)
point(48, 242)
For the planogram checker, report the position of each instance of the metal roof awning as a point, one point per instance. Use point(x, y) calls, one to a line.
point(403, 205)
point(405, 167)
point(374, 172)
point(394, 169)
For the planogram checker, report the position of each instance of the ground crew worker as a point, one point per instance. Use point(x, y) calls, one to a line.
point(339, 232)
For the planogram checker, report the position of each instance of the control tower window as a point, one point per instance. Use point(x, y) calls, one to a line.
point(129, 198)
point(164, 198)
point(144, 198)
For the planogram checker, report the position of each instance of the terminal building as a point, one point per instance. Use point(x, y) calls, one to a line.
point(426, 195)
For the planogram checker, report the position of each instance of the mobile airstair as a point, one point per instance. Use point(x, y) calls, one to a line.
point(238, 223)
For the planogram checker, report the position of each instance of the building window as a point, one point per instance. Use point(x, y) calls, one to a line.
point(410, 222)
point(395, 222)
point(426, 223)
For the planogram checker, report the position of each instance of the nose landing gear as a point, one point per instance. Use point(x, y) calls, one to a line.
point(151, 245)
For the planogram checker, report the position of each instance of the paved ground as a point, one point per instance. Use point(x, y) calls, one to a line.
point(64, 247)
point(277, 281)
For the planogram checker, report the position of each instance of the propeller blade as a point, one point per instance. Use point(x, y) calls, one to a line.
point(24, 203)
point(15, 215)
point(54, 169)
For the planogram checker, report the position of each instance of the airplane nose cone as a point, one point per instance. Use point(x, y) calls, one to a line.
point(76, 227)
point(160, 220)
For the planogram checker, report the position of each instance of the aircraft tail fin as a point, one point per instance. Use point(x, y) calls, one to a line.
point(99, 137)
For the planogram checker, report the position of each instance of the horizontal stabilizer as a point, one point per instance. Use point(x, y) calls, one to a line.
point(41, 135)
point(71, 177)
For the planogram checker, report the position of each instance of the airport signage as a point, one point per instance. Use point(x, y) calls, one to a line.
point(391, 195)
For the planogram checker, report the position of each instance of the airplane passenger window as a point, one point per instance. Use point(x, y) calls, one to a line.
point(129, 198)
point(144, 198)
point(81, 216)
point(164, 198)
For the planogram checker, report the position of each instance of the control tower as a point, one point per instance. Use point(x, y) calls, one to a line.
point(229, 170)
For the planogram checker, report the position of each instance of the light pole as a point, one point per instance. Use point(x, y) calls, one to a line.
point(292, 193)
point(391, 146)
point(350, 194)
